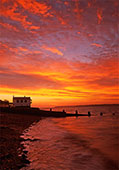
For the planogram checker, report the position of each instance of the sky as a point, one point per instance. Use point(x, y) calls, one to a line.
point(59, 52)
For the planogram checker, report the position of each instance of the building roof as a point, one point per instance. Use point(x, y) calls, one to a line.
point(21, 97)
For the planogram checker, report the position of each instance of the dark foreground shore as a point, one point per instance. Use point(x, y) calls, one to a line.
point(11, 127)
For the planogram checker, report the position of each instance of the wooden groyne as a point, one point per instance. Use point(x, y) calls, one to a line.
point(38, 112)
point(76, 115)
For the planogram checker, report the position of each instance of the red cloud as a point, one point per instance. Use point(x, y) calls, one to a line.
point(78, 32)
point(53, 50)
point(8, 26)
point(97, 45)
point(35, 7)
point(77, 9)
point(10, 12)
point(34, 27)
point(99, 15)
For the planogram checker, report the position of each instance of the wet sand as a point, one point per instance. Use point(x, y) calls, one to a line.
point(11, 127)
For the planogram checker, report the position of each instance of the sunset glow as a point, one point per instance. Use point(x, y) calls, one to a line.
point(59, 52)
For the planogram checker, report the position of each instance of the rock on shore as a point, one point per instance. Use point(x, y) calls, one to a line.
point(11, 127)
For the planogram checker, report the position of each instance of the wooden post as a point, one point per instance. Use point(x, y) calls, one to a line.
point(89, 114)
point(76, 113)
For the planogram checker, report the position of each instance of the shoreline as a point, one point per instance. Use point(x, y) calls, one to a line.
point(11, 128)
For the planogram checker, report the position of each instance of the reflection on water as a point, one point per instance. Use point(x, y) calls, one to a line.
point(73, 143)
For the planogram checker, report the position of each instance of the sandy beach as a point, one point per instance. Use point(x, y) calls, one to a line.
point(11, 127)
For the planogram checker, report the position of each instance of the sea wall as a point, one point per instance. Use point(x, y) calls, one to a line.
point(32, 111)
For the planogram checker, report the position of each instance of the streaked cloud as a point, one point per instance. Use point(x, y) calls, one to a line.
point(8, 26)
point(40, 8)
point(99, 15)
point(97, 45)
point(53, 50)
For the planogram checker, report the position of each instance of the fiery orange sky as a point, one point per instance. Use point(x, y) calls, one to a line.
point(59, 52)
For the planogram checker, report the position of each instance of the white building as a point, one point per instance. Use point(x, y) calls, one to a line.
point(22, 101)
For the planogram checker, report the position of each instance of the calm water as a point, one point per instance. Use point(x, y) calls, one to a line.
point(89, 143)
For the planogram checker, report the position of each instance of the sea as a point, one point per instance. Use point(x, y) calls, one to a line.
point(75, 143)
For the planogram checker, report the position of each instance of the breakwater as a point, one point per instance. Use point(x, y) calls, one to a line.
point(38, 112)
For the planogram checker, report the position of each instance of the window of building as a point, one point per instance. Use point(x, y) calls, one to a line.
point(21, 101)
point(25, 101)
point(17, 101)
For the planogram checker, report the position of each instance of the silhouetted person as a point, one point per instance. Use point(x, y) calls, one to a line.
point(50, 109)
point(89, 114)
point(101, 114)
point(63, 111)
